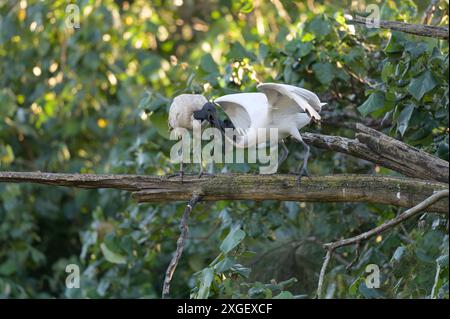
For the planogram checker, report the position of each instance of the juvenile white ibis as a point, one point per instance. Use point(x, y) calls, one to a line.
point(285, 107)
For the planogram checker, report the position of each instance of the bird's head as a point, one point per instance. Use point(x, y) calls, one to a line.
point(209, 113)
point(182, 110)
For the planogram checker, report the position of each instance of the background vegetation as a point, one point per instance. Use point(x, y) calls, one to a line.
point(95, 100)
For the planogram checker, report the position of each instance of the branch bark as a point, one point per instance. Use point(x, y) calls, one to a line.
point(376, 147)
point(398, 191)
point(417, 29)
point(184, 229)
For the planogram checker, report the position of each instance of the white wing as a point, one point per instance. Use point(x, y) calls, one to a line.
point(245, 110)
point(281, 96)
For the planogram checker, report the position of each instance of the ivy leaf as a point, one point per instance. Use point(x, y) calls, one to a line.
point(159, 122)
point(241, 270)
point(208, 64)
point(403, 119)
point(319, 26)
point(324, 72)
point(225, 264)
point(284, 295)
point(388, 70)
point(234, 237)
point(111, 256)
point(395, 44)
point(206, 278)
point(238, 52)
point(8, 103)
point(421, 85)
point(373, 103)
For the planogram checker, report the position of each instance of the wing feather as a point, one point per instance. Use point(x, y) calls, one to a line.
point(277, 95)
point(244, 109)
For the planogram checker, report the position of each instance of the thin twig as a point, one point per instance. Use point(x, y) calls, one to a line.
point(180, 244)
point(350, 265)
point(429, 12)
point(323, 271)
point(330, 247)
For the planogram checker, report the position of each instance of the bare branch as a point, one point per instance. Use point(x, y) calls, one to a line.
point(391, 223)
point(398, 191)
point(331, 247)
point(378, 148)
point(323, 270)
point(417, 29)
point(184, 228)
point(402, 157)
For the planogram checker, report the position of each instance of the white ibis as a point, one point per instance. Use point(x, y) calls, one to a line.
point(285, 107)
point(181, 116)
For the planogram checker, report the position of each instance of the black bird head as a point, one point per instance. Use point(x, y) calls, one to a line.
point(209, 113)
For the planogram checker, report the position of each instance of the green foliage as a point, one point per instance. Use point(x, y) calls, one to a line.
point(95, 100)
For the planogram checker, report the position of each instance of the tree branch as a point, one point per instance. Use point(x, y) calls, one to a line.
point(398, 191)
point(376, 147)
point(417, 29)
point(331, 247)
point(184, 228)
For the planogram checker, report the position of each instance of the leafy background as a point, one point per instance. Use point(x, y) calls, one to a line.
point(95, 100)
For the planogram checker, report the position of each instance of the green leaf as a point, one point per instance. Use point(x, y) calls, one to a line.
point(305, 49)
point(422, 84)
point(403, 119)
point(319, 26)
point(324, 72)
point(224, 264)
point(208, 64)
point(284, 295)
point(241, 270)
point(238, 52)
point(8, 103)
point(8, 268)
point(263, 51)
point(247, 6)
point(111, 256)
point(395, 44)
point(388, 70)
point(206, 278)
point(373, 103)
point(234, 237)
point(398, 254)
point(159, 122)
point(353, 289)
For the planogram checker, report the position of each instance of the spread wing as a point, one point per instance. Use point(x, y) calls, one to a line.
point(287, 98)
point(245, 110)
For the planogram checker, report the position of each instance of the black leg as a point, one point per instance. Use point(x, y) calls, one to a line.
point(180, 173)
point(284, 153)
point(302, 169)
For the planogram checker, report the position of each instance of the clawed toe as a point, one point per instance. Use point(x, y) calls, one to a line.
point(179, 174)
point(302, 173)
point(201, 174)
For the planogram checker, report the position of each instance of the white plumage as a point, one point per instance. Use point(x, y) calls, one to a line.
point(181, 112)
point(181, 116)
point(285, 107)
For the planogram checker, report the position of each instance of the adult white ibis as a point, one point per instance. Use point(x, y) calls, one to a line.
point(181, 116)
point(285, 107)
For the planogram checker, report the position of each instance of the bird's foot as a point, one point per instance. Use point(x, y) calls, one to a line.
point(180, 174)
point(201, 174)
point(303, 172)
